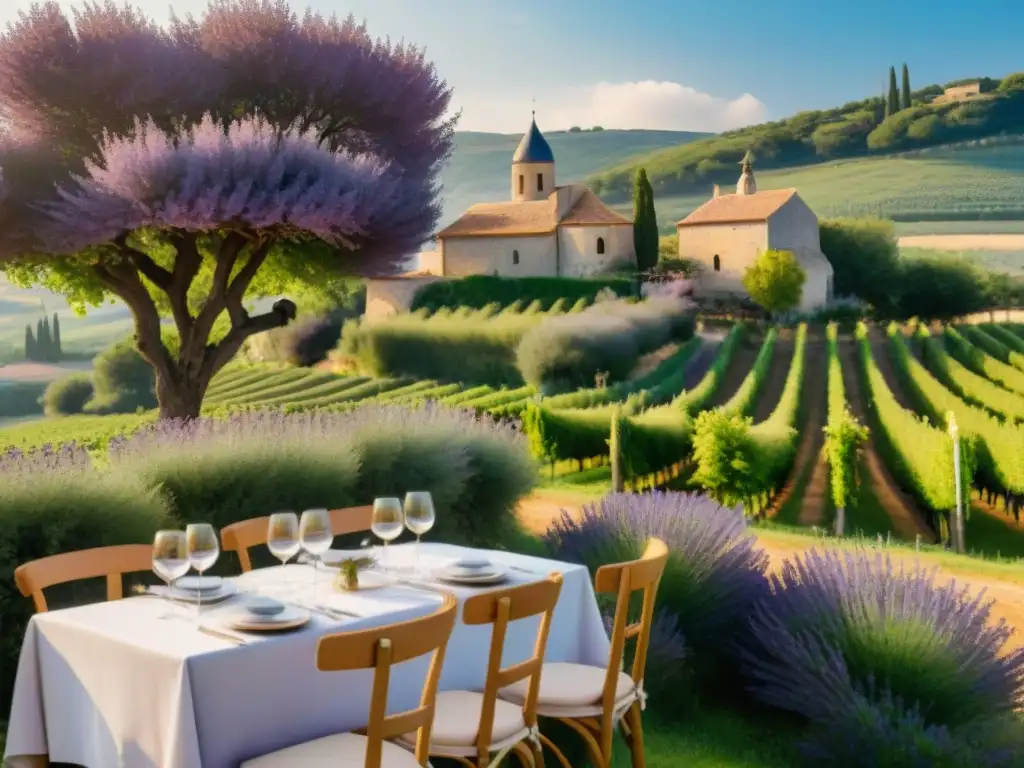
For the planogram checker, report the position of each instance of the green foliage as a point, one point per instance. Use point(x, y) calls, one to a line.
point(743, 400)
point(645, 223)
point(21, 398)
point(981, 363)
point(122, 380)
point(973, 388)
point(479, 349)
point(477, 291)
point(905, 91)
point(738, 462)
point(999, 447)
point(994, 346)
point(892, 104)
point(940, 288)
point(919, 454)
point(1012, 83)
point(68, 395)
point(775, 281)
point(843, 433)
point(43, 345)
point(73, 509)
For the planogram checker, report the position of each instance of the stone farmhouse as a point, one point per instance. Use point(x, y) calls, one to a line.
point(543, 230)
point(729, 232)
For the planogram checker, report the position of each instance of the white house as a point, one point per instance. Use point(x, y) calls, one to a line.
point(729, 232)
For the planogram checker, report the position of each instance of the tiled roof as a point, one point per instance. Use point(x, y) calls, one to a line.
point(726, 209)
point(536, 217)
point(533, 148)
point(590, 210)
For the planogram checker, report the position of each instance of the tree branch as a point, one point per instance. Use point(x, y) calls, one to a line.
point(124, 281)
point(156, 274)
point(227, 256)
point(221, 354)
point(235, 293)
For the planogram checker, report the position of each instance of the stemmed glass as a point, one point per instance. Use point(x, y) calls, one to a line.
point(419, 518)
point(170, 556)
point(387, 522)
point(315, 533)
point(283, 537)
point(203, 551)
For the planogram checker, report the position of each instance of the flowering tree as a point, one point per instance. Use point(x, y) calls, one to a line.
point(187, 170)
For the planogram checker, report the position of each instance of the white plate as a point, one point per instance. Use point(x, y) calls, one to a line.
point(227, 589)
point(292, 617)
point(369, 580)
point(496, 577)
point(202, 584)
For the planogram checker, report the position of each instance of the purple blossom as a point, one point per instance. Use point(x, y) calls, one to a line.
point(840, 626)
point(715, 573)
point(16, 463)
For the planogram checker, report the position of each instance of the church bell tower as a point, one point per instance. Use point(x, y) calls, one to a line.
point(533, 167)
point(746, 185)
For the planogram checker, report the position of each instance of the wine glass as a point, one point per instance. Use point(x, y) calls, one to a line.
point(387, 522)
point(419, 518)
point(203, 551)
point(315, 533)
point(170, 556)
point(283, 537)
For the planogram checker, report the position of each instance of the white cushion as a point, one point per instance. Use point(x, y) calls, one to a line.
point(457, 720)
point(342, 750)
point(569, 685)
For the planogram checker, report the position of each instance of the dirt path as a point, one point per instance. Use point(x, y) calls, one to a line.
point(808, 455)
point(742, 361)
point(906, 520)
point(701, 362)
point(965, 242)
point(782, 358)
point(538, 511)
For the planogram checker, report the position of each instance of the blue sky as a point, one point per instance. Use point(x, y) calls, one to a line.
point(677, 64)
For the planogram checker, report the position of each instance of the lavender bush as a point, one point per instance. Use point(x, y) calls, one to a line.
point(715, 574)
point(845, 628)
point(52, 500)
point(247, 465)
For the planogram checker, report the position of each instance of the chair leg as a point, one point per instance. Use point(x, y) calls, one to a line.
point(524, 754)
point(563, 761)
point(636, 738)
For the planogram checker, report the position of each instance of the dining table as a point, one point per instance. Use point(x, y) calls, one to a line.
point(145, 682)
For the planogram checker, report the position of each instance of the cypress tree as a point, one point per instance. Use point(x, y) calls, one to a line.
point(45, 342)
point(652, 220)
point(58, 352)
point(30, 343)
point(894, 93)
point(905, 93)
point(39, 346)
point(643, 207)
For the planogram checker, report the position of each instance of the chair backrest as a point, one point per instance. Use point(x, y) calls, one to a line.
point(499, 608)
point(625, 579)
point(379, 649)
point(240, 537)
point(35, 576)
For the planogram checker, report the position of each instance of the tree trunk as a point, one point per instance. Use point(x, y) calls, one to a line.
point(840, 521)
point(182, 399)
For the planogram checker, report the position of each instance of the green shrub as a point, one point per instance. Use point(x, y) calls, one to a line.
point(477, 291)
point(993, 346)
point(981, 363)
point(68, 395)
point(75, 508)
point(843, 435)
point(21, 398)
point(745, 397)
point(122, 381)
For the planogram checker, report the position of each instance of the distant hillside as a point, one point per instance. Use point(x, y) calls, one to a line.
point(479, 167)
point(856, 129)
point(983, 182)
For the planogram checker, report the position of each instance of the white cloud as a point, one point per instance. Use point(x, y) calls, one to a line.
point(648, 104)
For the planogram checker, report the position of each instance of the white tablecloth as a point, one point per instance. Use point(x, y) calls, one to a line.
point(120, 684)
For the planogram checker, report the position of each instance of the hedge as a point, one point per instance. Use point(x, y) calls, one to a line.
point(992, 346)
point(744, 399)
point(843, 435)
point(477, 291)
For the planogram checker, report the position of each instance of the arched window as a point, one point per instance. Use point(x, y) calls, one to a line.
point(600, 245)
point(515, 257)
point(522, 184)
point(717, 263)
point(540, 182)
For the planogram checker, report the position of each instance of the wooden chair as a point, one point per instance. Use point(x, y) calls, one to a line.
point(378, 649)
point(240, 537)
point(470, 726)
point(594, 700)
point(35, 576)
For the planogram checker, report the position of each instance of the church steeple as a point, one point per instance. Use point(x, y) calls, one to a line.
point(533, 166)
point(746, 185)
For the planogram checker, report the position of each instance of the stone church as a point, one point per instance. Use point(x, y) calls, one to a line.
point(543, 230)
point(729, 232)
